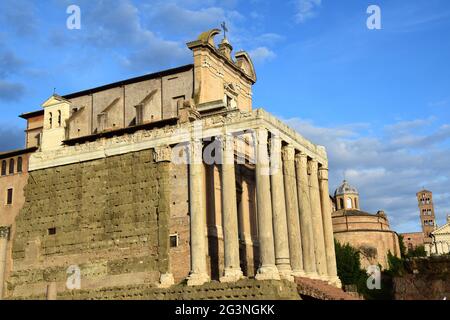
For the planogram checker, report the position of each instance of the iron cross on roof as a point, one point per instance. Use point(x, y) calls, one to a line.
point(225, 29)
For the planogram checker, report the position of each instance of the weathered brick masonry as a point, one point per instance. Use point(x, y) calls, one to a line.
point(111, 218)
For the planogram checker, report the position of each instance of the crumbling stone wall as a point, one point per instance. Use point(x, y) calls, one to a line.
point(426, 279)
point(109, 217)
point(242, 290)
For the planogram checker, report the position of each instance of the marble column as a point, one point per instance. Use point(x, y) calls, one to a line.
point(292, 211)
point(317, 223)
point(304, 203)
point(232, 270)
point(4, 237)
point(267, 269)
point(280, 227)
point(328, 227)
point(198, 275)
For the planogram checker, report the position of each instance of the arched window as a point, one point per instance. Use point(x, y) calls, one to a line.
point(50, 120)
point(59, 118)
point(341, 203)
point(356, 203)
point(11, 166)
point(19, 164)
point(4, 168)
point(349, 203)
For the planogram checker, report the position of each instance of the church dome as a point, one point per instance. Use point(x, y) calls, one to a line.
point(345, 188)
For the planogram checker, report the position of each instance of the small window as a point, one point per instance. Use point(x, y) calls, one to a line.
point(19, 164)
point(341, 203)
point(4, 168)
point(51, 231)
point(11, 166)
point(9, 196)
point(59, 118)
point(174, 240)
point(349, 203)
point(50, 120)
point(38, 140)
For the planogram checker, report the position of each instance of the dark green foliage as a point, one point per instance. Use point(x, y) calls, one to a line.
point(396, 265)
point(417, 252)
point(350, 272)
point(348, 264)
point(403, 250)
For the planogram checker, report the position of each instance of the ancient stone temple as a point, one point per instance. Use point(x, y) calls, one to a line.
point(170, 178)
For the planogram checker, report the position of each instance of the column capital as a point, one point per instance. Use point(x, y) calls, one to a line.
point(163, 154)
point(226, 137)
point(323, 173)
point(313, 167)
point(262, 135)
point(288, 153)
point(301, 157)
point(196, 150)
point(4, 232)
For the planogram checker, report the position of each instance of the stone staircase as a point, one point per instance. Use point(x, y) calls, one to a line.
point(318, 289)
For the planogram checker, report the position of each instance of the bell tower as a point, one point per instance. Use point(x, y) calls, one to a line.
point(427, 217)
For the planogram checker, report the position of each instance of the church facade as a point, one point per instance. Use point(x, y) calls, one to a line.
point(168, 178)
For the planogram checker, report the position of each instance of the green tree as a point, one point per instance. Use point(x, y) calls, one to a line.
point(403, 250)
point(348, 264)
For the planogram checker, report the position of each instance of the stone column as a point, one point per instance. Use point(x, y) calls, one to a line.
point(163, 156)
point(198, 275)
point(280, 227)
point(4, 237)
point(292, 209)
point(328, 227)
point(232, 270)
point(317, 223)
point(267, 269)
point(307, 234)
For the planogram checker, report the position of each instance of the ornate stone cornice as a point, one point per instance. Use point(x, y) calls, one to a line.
point(257, 121)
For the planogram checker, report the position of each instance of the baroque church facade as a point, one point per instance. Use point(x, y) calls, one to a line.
point(163, 179)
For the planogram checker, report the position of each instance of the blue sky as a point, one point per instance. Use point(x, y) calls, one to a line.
point(377, 99)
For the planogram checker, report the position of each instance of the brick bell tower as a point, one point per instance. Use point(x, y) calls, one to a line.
point(427, 217)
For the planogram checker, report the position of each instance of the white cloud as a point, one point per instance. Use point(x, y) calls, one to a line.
point(306, 9)
point(262, 54)
point(388, 171)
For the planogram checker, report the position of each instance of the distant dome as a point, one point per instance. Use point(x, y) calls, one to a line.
point(345, 188)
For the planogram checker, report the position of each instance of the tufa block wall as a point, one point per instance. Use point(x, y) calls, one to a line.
point(111, 219)
point(242, 290)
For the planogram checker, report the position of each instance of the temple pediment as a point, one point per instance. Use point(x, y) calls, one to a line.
point(445, 229)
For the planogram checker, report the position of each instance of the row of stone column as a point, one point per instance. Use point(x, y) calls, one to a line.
point(293, 208)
